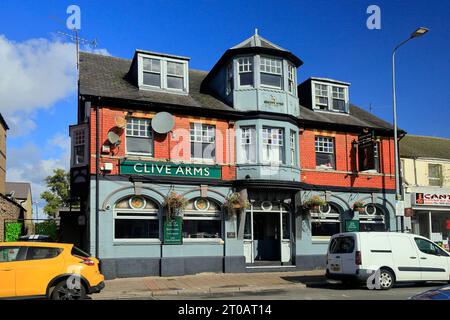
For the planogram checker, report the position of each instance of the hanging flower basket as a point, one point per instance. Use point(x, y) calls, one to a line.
point(235, 201)
point(175, 204)
point(314, 203)
point(358, 206)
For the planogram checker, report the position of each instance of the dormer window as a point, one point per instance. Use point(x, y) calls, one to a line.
point(162, 73)
point(245, 71)
point(330, 97)
point(271, 72)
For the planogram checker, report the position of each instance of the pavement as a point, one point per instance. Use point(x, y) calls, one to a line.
point(208, 283)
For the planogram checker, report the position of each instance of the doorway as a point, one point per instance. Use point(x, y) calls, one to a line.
point(266, 237)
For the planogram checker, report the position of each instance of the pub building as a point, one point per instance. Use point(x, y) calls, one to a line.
point(152, 131)
point(425, 163)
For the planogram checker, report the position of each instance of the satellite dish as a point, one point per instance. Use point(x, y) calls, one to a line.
point(163, 122)
point(113, 138)
point(120, 122)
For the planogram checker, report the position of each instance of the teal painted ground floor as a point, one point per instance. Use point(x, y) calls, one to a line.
point(132, 237)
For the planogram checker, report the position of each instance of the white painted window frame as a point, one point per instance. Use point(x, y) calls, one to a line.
point(327, 149)
point(151, 137)
point(280, 73)
point(137, 216)
point(199, 138)
point(73, 131)
point(329, 96)
point(163, 85)
point(249, 67)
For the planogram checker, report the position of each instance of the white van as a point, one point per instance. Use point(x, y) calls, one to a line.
point(399, 256)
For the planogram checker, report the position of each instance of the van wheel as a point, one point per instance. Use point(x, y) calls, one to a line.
point(386, 279)
point(62, 292)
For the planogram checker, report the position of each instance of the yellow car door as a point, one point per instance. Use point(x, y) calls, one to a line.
point(41, 265)
point(9, 256)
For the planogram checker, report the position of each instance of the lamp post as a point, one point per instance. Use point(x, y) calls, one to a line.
point(419, 32)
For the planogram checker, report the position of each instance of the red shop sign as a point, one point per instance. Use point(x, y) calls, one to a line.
point(448, 224)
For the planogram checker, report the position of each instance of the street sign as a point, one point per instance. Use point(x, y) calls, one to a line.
point(173, 231)
point(351, 225)
point(400, 208)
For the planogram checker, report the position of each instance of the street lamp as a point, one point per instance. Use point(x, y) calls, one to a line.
point(419, 32)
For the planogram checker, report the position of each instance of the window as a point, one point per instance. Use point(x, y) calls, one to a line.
point(325, 222)
point(330, 97)
point(292, 83)
point(245, 71)
point(271, 72)
point(11, 254)
point(79, 146)
point(152, 72)
point(230, 80)
point(338, 99)
point(203, 141)
point(376, 156)
point(372, 219)
point(293, 148)
point(138, 224)
point(79, 253)
point(342, 245)
point(273, 146)
point(248, 143)
point(41, 253)
point(325, 153)
point(202, 222)
point(429, 247)
point(139, 136)
point(435, 174)
point(321, 96)
point(175, 75)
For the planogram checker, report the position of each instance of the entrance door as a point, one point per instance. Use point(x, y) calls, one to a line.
point(266, 236)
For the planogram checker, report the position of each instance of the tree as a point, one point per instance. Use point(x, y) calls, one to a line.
point(58, 193)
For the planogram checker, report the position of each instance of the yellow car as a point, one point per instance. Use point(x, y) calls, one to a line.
point(54, 270)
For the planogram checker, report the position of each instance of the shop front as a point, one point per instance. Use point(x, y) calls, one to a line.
point(431, 215)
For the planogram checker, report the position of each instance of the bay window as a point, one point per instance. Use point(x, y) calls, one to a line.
point(245, 68)
point(248, 145)
point(230, 79)
point(203, 141)
point(271, 72)
point(139, 137)
point(273, 146)
point(292, 83)
point(325, 156)
point(293, 147)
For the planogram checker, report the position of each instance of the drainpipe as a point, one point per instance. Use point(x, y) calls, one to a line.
point(97, 163)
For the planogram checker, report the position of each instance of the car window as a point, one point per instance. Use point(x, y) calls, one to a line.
point(342, 245)
point(39, 253)
point(429, 248)
point(11, 254)
point(80, 253)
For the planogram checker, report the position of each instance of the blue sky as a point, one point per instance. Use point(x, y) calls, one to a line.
point(331, 38)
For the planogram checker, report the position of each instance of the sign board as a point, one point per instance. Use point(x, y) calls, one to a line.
point(173, 231)
point(351, 225)
point(366, 151)
point(170, 169)
point(400, 208)
point(448, 224)
point(434, 199)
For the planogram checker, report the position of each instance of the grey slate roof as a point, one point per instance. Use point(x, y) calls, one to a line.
point(21, 189)
point(257, 41)
point(357, 117)
point(412, 146)
point(106, 76)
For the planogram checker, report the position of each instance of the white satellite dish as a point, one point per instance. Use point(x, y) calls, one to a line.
point(163, 122)
point(113, 138)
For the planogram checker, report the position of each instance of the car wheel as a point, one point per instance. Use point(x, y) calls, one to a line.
point(62, 292)
point(386, 279)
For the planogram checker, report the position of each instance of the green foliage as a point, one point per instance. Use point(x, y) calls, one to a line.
point(58, 193)
point(47, 228)
point(314, 201)
point(13, 231)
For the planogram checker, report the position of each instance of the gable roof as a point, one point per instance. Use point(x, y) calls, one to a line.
point(3, 122)
point(21, 189)
point(412, 146)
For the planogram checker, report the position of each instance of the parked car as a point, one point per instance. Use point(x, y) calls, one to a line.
point(399, 257)
point(52, 270)
point(441, 293)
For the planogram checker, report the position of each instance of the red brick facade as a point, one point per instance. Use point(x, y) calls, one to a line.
point(346, 172)
point(172, 147)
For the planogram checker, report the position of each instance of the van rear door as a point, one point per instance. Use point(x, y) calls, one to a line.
point(341, 256)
